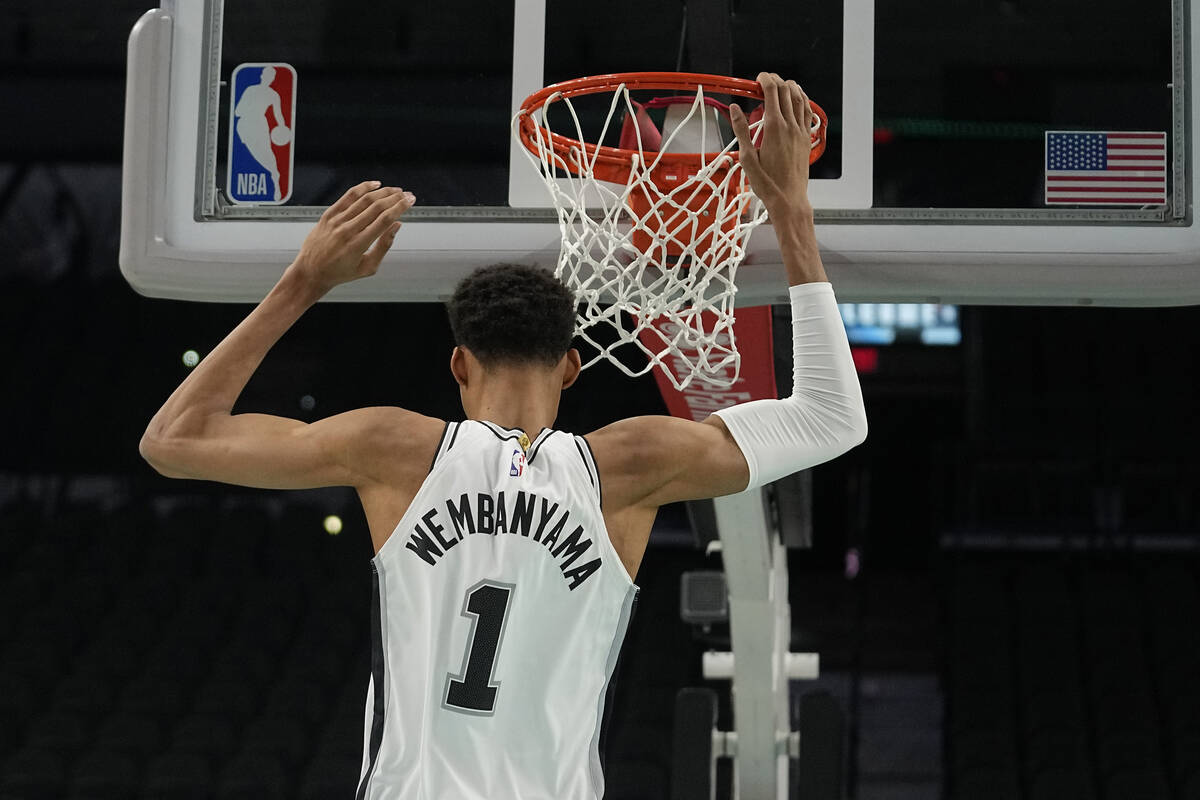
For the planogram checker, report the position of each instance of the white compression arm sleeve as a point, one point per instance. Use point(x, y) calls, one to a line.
point(825, 415)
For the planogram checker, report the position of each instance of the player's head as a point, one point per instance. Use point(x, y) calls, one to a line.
point(509, 315)
point(268, 76)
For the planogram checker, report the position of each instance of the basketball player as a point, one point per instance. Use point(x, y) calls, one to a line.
point(506, 550)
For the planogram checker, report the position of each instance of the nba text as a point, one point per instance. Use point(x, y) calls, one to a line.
point(251, 184)
point(525, 515)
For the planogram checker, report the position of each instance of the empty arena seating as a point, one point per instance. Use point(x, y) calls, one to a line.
point(1073, 678)
point(184, 653)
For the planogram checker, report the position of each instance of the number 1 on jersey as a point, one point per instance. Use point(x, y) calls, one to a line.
point(473, 691)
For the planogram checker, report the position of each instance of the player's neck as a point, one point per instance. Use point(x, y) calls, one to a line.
point(516, 398)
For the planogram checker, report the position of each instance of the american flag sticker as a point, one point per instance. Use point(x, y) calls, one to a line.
point(1106, 168)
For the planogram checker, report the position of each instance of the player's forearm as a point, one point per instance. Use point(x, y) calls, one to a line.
point(798, 246)
point(216, 383)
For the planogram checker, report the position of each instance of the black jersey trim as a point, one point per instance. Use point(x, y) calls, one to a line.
point(499, 431)
point(595, 469)
point(504, 434)
point(541, 439)
point(586, 466)
point(438, 451)
point(610, 694)
point(457, 428)
point(377, 683)
point(496, 426)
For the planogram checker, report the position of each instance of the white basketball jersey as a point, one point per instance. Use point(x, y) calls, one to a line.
point(500, 606)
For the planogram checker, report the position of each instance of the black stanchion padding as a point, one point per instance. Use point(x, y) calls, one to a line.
point(822, 733)
point(693, 768)
point(791, 501)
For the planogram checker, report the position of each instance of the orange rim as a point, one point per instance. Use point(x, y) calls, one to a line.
point(615, 163)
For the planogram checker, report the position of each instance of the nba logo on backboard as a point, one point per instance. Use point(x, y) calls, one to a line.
point(262, 133)
point(517, 466)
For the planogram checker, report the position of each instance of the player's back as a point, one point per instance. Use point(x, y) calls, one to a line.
point(500, 608)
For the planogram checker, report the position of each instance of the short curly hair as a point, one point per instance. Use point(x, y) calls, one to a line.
point(513, 314)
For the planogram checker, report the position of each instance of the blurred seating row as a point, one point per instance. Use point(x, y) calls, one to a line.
point(1077, 680)
point(181, 652)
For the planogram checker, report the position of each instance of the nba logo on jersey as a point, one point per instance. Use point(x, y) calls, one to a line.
point(517, 467)
point(262, 133)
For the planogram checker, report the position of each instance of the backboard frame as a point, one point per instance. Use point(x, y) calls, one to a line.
point(180, 239)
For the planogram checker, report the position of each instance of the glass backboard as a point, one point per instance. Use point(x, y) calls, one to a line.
point(949, 127)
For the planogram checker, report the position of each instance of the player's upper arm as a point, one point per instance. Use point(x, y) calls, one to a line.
point(649, 461)
point(352, 449)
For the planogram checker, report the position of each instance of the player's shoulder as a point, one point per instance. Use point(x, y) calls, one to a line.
point(393, 431)
point(634, 440)
point(391, 446)
point(646, 445)
point(384, 418)
point(649, 461)
point(648, 431)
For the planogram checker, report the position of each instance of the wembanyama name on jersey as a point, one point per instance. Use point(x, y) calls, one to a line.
point(454, 520)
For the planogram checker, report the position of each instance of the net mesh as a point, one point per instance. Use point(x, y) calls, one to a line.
point(654, 258)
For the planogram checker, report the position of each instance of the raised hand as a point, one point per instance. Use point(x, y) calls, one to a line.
point(335, 251)
point(778, 171)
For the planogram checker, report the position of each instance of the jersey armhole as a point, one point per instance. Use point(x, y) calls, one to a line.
point(449, 435)
point(589, 464)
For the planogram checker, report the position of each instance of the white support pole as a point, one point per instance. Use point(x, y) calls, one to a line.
point(716, 665)
point(725, 744)
point(760, 632)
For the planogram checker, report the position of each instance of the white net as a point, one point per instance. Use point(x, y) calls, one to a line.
point(654, 258)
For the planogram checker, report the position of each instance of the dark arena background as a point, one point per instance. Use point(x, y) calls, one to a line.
point(1002, 586)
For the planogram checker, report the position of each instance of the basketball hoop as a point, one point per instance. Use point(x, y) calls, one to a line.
point(649, 230)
